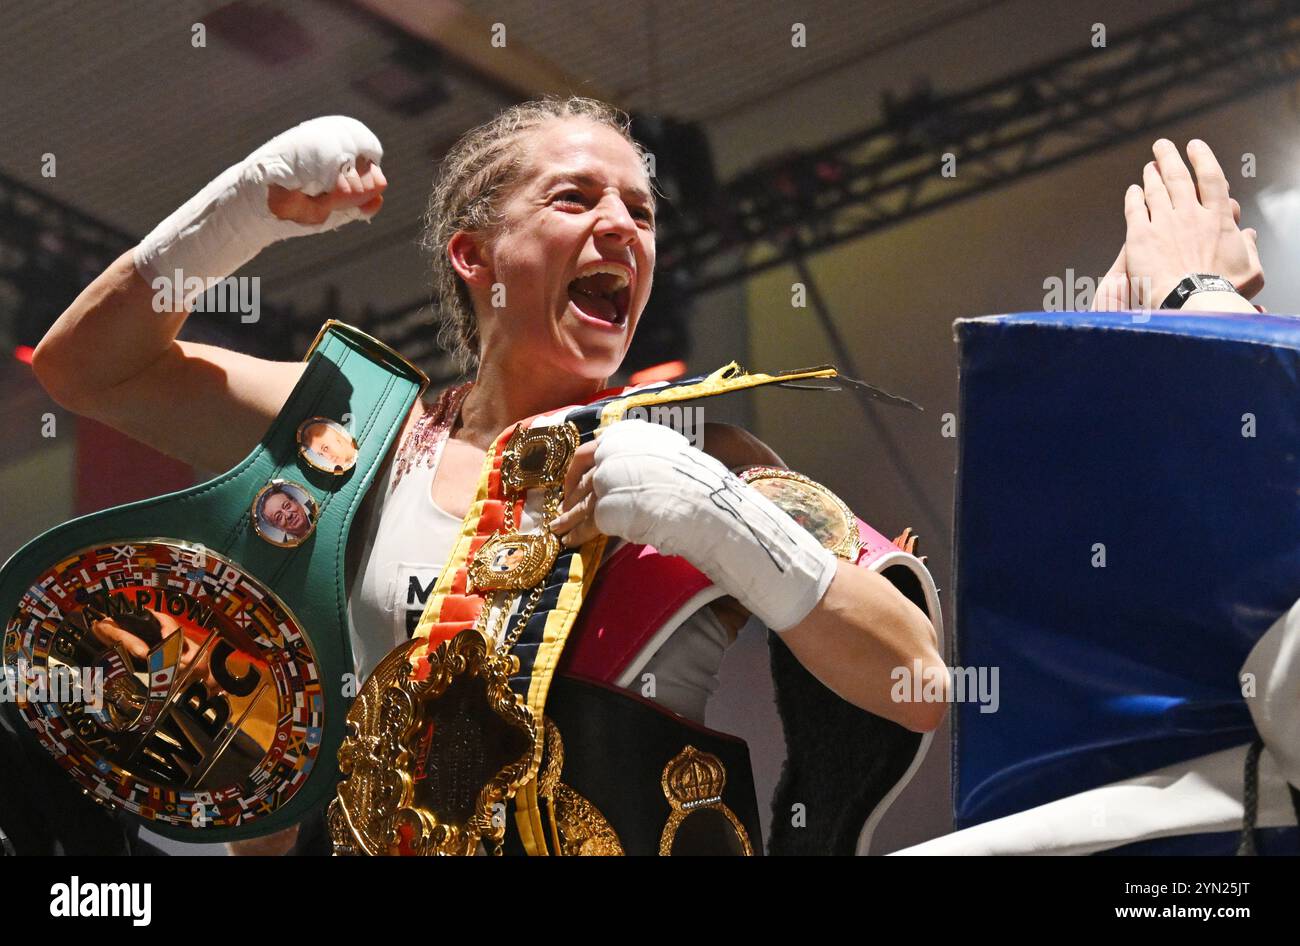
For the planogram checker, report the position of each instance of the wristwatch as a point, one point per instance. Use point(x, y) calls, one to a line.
point(1196, 282)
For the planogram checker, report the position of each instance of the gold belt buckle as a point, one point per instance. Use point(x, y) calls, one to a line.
point(538, 457)
point(533, 459)
point(430, 763)
point(513, 561)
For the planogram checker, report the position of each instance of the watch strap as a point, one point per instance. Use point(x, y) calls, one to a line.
point(1194, 283)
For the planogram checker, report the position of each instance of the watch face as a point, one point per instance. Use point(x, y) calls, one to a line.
point(167, 682)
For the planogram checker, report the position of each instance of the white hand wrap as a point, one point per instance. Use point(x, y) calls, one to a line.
point(228, 222)
point(653, 487)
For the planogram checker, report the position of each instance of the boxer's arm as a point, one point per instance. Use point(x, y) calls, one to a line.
point(736, 448)
point(861, 630)
point(850, 628)
point(858, 636)
point(114, 356)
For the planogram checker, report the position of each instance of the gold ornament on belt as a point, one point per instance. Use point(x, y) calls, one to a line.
point(533, 459)
point(693, 782)
point(811, 505)
point(429, 763)
point(578, 828)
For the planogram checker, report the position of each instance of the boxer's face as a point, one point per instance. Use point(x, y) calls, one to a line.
point(285, 513)
point(584, 199)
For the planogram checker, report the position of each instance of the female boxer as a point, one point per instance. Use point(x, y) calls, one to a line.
point(542, 226)
point(548, 206)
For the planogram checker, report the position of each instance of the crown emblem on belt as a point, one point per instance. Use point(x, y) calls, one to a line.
point(694, 778)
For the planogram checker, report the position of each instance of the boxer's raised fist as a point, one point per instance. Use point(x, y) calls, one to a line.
point(310, 156)
point(314, 177)
point(325, 165)
point(362, 188)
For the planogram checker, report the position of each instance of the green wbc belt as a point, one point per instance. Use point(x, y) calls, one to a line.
point(186, 658)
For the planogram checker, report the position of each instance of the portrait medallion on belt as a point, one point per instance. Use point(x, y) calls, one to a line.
point(326, 445)
point(284, 513)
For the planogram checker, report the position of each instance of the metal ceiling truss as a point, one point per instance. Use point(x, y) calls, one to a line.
point(1207, 56)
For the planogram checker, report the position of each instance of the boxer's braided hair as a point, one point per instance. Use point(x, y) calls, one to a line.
point(469, 189)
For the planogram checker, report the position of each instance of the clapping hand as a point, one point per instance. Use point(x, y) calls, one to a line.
point(1179, 225)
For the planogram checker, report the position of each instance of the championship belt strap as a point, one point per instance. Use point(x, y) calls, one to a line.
point(621, 775)
point(446, 696)
point(212, 622)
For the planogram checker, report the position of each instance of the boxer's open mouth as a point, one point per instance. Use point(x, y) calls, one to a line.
point(602, 292)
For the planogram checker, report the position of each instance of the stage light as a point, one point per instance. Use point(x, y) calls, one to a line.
point(410, 83)
point(24, 353)
point(668, 371)
point(272, 37)
point(1279, 205)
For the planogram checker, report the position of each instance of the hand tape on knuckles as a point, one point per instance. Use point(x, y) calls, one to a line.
point(652, 487)
point(228, 222)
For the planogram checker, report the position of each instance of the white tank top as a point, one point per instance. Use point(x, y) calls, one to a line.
point(406, 539)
